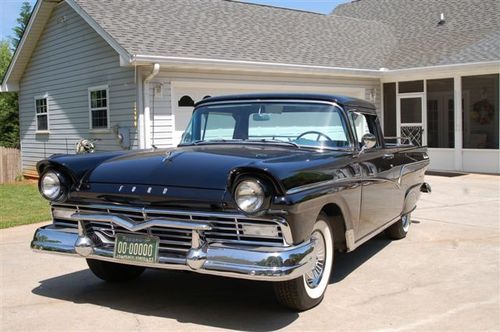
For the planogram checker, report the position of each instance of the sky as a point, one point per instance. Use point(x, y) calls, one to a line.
point(9, 10)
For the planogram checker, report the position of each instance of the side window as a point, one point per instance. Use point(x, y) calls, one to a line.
point(363, 124)
point(99, 107)
point(217, 126)
point(42, 114)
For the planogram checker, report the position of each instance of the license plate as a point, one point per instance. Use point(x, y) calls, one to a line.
point(137, 248)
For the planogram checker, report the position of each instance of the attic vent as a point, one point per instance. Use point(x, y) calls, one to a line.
point(441, 19)
point(62, 19)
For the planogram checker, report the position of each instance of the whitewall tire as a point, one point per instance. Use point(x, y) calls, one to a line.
point(308, 290)
point(399, 229)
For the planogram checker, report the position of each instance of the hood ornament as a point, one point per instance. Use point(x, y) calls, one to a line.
point(170, 156)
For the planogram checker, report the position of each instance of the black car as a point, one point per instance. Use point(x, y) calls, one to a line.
point(261, 187)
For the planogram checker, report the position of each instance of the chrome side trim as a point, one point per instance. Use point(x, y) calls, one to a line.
point(370, 235)
point(134, 226)
point(416, 164)
point(339, 182)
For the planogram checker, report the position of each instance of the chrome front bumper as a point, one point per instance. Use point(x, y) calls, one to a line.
point(254, 263)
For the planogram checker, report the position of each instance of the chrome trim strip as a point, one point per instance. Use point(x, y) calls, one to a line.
point(133, 226)
point(186, 213)
point(339, 182)
point(370, 235)
point(417, 163)
point(239, 101)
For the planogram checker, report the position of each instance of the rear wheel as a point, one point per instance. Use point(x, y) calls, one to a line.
point(308, 290)
point(399, 229)
point(113, 272)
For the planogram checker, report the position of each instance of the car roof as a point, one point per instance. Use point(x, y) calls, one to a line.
point(341, 100)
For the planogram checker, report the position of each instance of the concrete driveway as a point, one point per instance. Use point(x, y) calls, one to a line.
point(443, 276)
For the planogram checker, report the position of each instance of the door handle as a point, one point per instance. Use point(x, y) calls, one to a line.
point(388, 156)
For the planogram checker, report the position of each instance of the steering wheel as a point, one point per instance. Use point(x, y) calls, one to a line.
point(320, 134)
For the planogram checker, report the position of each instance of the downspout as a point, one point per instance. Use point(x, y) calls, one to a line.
point(147, 106)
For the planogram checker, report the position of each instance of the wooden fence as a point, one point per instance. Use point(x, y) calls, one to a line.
point(10, 164)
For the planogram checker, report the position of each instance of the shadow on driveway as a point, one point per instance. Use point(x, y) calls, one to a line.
point(193, 298)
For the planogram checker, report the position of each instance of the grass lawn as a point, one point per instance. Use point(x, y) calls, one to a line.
point(21, 204)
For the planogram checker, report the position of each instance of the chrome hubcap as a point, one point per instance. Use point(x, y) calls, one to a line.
point(314, 276)
point(406, 221)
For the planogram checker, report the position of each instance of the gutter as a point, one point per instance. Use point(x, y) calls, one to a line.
point(252, 66)
point(145, 125)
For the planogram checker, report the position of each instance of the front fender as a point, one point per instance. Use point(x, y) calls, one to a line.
point(303, 207)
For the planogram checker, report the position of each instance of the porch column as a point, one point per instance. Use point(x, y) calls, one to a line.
point(457, 88)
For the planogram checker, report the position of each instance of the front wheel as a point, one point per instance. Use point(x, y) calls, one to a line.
point(113, 272)
point(308, 290)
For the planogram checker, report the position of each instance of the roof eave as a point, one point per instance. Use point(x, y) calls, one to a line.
point(450, 69)
point(243, 65)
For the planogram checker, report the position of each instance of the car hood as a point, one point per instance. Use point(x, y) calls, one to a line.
point(208, 166)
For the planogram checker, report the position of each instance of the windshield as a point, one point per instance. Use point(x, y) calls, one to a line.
point(291, 123)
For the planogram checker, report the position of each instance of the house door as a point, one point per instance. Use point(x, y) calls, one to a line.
point(411, 118)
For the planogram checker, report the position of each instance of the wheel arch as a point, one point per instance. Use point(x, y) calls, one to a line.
point(336, 219)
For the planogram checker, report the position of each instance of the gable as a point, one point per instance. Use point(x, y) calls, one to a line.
point(37, 24)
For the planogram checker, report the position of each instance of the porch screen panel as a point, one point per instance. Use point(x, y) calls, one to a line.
point(390, 109)
point(440, 113)
point(411, 86)
point(480, 111)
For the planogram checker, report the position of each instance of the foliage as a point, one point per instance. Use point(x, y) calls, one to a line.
point(9, 114)
point(22, 204)
point(22, 22)
point(9, 108)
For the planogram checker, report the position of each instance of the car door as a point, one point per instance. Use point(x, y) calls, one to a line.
point(381, 198)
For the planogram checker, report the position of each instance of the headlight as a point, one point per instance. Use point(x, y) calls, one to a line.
point(50, 186)
point(249, 196)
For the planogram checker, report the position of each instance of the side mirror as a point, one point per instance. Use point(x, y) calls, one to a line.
point(369, 142)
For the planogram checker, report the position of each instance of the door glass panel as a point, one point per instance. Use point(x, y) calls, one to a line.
point(411, 110)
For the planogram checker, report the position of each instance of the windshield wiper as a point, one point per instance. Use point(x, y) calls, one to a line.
point(200, 142)
point(276, 141)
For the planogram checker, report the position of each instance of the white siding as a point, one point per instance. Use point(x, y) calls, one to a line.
point(160, 114)
point(69, 58)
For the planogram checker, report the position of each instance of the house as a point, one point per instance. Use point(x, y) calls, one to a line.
point(126, 73)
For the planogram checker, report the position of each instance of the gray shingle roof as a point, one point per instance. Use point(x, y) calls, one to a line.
point(231, 30)
point(365, 34)
point(471, 32)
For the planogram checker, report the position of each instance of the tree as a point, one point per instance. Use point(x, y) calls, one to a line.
point(9, 106)
point(9, 114)
point(22, 22)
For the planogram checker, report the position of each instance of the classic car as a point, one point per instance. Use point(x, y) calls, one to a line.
point(261, 187)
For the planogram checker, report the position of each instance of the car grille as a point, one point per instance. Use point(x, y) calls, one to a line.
point(225, 228)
